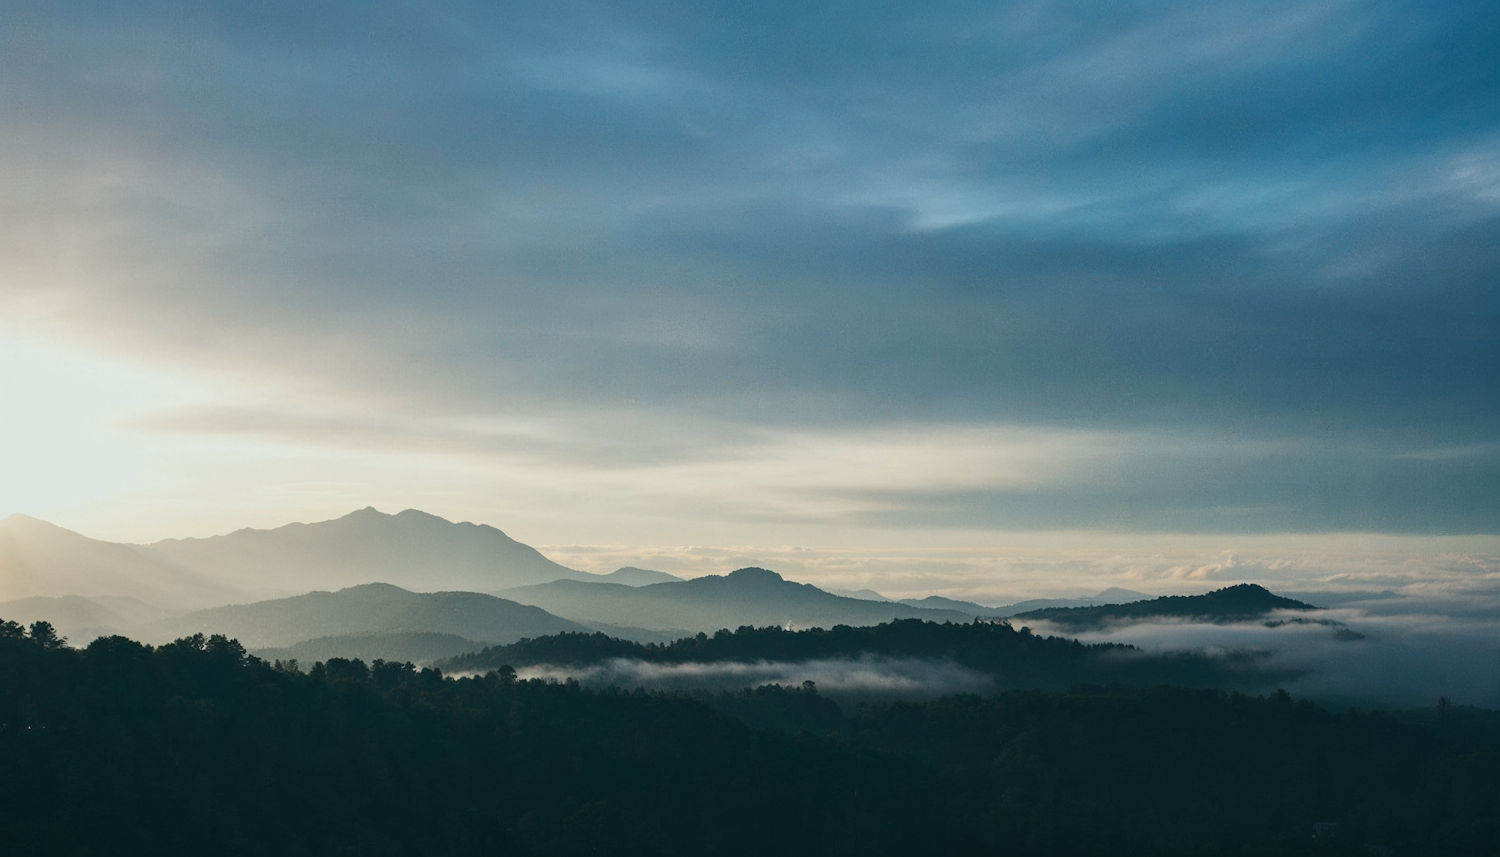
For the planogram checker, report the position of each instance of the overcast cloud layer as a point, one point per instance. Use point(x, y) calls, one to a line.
point(1162, 266)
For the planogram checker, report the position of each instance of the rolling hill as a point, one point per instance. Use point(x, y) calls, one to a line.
point(938, 602)
point(1231, 604)
point(632, 576)
point(1113, 595)
point(749, 596)
point(372, 608)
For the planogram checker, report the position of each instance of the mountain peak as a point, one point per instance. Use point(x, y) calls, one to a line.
point(375, 589)
point(17, 519)
point(1254, 595)
point(25, 526)
point(754, 574)
point(413, 549)
point(633, 576)
point(1232, 603)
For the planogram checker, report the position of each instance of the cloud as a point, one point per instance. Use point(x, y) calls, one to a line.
point(864, 677)
point(1404, 652)
point(1414, 649)
point(679, 232)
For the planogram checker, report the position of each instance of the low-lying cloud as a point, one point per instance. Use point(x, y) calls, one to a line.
point(1412, 651)
point(866, 677)
point(1391, 652)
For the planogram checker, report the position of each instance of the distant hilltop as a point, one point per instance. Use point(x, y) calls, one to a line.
point(1231, 604)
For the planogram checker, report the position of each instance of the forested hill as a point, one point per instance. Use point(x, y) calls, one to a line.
point(1233, 603)
point(1015, 658)
point(194, 747)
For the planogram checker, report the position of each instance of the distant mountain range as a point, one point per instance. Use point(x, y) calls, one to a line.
point(371, 608)
point(459, 584)
point(1113, 595)
point(413, 550)
point(41, 560)
point(632, 576)
point(749, 596)
point(938, 602)
point(862, 594)
point(1234, 603)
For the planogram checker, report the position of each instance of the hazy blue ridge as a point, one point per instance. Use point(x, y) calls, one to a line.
point(747, 596)
point(412, 549)
point(366, 609)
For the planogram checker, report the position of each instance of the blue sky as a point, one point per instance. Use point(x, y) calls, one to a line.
point(695, 272)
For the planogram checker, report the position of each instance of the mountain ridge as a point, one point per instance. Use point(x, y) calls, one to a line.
point(1232, 603)
point(746, 596)
point(412, 549)
point(632, 576)
point(371, 608)
point(39, 559)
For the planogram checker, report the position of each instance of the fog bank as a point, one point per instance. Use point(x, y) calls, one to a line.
point(867, 677)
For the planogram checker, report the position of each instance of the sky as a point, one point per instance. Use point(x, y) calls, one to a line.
point(855, 277)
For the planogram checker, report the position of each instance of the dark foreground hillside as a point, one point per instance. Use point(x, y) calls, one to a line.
point(194, 747)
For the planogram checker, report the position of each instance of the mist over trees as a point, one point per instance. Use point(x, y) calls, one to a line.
point(1013, 658)
point(195, 746)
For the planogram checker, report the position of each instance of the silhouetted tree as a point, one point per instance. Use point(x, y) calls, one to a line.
point(43, 633)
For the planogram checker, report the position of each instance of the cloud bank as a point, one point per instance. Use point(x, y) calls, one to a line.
point(1412, 652)
point(867, 677)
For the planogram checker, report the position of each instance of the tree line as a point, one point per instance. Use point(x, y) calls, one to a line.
point(1015, 657)
point(197, 747)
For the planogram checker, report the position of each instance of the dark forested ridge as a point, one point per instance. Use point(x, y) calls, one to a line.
point(1232, 603)
point(195, 747)
point(1015, 658)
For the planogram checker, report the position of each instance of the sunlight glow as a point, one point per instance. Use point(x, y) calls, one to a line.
point(61, 439)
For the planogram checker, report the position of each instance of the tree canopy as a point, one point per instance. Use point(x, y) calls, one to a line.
point(197, 747)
